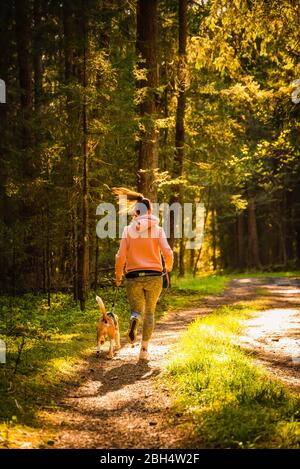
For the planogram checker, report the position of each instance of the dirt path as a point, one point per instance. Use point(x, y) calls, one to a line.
point(273, 335)
point(122, 404)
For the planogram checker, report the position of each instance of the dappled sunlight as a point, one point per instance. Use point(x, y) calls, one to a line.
point(282, 291)
point(217, 380)
point(233, 403)
point(13, 435)
point(277, 330)
point(222, 358)
point(62, 365)
point(244, 281)
point(64, 338)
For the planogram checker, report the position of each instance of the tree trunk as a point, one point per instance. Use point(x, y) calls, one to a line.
point(48, 269)
point(166, 115)
point(240, 240)
point(147, 51)
point(68, 39)
point(297, 238)
point(205, 222)
point(197, 261)
point(14, 268)
point(22, 10)
point(73, 111)
point(181, 272)
point(192, 260)
point(23, 40)
point(296, 224)
point(8, 264)
point(75, 252)
point(254, 259)
point(182, 84)
point(44, 269)
point(192, 251)
point(282, 235)
point(84, 244)
point(290, 232)
point(214, 240)
point(96, 263)
point(37, 55)
point(177, 171)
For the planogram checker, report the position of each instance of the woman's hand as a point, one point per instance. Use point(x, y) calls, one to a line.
point(168, 278)
point(118, 282)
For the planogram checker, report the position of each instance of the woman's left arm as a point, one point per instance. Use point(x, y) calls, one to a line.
point(121, 257)
point(166, 250)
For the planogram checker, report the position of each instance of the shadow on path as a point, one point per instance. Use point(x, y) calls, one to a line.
point(123, 403)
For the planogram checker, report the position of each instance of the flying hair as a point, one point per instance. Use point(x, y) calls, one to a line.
point(133, 200)
point(132, 196)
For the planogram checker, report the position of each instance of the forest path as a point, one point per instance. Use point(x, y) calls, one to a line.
point(123, 404)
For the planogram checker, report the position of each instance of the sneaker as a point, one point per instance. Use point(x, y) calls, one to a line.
point(132, 332)
point(143, 354)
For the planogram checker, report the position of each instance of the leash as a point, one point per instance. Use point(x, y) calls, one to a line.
point(115, 298)
point(166, 289)
point(167, 275)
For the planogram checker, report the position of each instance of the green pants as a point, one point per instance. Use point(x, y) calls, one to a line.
point(142, 294)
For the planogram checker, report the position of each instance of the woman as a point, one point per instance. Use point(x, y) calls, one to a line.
point(142, 247)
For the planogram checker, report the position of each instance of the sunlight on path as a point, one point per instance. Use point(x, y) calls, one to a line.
point(121, 404)
point(273, 335)
point(278, 330)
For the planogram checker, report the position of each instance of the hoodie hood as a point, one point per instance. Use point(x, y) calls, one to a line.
point(141, 224)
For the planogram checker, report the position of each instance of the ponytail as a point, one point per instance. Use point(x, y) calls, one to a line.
point(134, 199)
point(132, 196)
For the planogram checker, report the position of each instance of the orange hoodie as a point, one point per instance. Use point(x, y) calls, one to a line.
point(142, 244)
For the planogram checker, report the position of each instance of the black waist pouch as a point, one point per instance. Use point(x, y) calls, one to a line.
point(143, 273)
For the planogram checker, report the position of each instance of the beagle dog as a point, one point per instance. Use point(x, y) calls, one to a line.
point(108, 326)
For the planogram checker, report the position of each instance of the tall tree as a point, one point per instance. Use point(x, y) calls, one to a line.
point(254, 258)
point(147, 84)
point(71, 143)
point(84, 244)
point(177, 171)
point(37, 54)
point(23, 39)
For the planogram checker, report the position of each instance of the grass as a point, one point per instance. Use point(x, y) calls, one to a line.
point(251, 274)
point(205, 285)
point(53, 344)
point(262, 292)
point(46, 349)
point(232, 402)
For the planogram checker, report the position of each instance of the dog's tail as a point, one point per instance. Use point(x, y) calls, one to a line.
point(102, 307)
